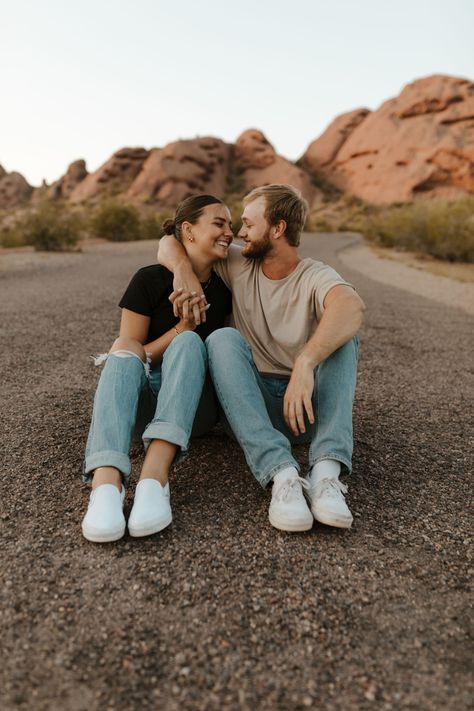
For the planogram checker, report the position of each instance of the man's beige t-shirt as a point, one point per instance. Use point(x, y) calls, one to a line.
point(276, 317)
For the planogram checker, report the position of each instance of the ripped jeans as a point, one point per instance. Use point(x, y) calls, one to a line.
point(176, 391)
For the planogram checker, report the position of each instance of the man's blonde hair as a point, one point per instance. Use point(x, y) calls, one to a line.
point(283, 202)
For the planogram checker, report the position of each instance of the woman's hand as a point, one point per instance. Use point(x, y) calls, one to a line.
point(184, 303)
point(189, 306)
point(185, 280)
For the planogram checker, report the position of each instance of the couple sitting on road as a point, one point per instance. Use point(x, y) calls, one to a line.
point(284, 373)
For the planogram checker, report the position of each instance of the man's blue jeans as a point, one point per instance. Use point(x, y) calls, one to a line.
point(253, 406)
point(174, 387)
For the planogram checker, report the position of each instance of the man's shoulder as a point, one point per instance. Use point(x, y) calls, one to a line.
point(315, 269)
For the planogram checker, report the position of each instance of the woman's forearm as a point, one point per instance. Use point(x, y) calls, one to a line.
point(157, 347)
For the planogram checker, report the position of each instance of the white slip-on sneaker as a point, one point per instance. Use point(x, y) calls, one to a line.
point(151, 510)
point(328, 503)
point(288, 508)
point(104, 520)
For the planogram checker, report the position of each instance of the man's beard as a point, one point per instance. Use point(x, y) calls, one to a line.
point(260, 249)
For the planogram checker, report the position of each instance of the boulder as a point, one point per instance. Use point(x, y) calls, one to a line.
point(180, 169)
point(64, 187)
point(418, 144)
point(112, 178)
point(259, 164)
point(14, 189)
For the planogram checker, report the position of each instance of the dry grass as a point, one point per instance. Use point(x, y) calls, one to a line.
point(439, 228)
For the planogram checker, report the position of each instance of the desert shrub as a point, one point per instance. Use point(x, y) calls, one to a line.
point(330, 191)
point(11, 236)
point(116, 222)
point(236, 210)
point(152, 224)
point(340, 215)
point(441, 228)
point(235, 186)
point(51, 227)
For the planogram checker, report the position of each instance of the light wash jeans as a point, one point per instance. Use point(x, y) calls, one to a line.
point(174, 389)
point(253, 406)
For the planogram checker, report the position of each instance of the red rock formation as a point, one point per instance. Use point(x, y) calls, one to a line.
point(324, 149)
point(259, 163)
point(112, 178)
point(14, 189)
point(74, 175)
point(420, 143)
point(181, 169)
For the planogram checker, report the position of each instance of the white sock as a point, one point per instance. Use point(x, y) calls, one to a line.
point(285, 474)
point(325, 469)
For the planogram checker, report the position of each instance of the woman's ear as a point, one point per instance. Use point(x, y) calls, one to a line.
point(186, 231)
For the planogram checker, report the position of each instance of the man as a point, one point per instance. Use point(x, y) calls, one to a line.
point(287, 372)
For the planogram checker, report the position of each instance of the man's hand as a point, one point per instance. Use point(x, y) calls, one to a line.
point(299, 395)
point(186, 282)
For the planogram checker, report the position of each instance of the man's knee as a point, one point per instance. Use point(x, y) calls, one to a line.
point(124, 344)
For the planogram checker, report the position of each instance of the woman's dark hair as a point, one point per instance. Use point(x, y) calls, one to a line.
point(190, 210)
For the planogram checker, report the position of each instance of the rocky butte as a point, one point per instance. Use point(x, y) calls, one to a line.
point(419, 144)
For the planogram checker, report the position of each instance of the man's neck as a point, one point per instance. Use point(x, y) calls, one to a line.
point(279, 263)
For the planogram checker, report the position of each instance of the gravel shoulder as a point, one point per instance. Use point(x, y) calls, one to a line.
point(443, 290)
point(221, 611)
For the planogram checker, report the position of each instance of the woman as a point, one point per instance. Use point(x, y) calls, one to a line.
point(162, 355)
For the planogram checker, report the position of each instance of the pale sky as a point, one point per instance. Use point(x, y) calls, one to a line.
point(83, 78)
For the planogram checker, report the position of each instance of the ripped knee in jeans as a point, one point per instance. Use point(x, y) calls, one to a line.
point(102, 357)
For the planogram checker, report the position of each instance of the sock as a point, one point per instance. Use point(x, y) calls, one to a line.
point(325, 469)
point(285, 474)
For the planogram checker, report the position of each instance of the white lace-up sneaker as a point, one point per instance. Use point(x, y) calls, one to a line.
point(288, 508)
point(104, 521)
point(151, 510)
point(327, 502)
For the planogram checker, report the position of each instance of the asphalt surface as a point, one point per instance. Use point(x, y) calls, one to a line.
point(221, 611)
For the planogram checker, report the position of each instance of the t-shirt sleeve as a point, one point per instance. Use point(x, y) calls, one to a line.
point(228, 268)
point(138, 296)
point(325, 279)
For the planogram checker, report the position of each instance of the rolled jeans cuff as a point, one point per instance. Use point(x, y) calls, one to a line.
point(346, 463)
point(267, 478)
point(169, 432)
point(107, 459)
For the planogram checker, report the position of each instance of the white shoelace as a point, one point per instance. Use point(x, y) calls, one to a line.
point(329, 486)
point(289, 487)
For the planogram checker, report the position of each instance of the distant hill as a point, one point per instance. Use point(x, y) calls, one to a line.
point(419, 144)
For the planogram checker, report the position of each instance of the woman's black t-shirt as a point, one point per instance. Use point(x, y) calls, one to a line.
point(148, 292)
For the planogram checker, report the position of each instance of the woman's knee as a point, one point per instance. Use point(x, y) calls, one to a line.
point(125, 343)
point(189, 343)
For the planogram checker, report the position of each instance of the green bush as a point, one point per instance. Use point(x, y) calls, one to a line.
point(152, 224)
point(441, 228)
point(49, 227)
point(116, 222)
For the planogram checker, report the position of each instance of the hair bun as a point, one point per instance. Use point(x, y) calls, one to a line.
point(169, 227)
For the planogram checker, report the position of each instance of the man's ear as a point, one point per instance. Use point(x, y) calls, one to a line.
point(280, 229)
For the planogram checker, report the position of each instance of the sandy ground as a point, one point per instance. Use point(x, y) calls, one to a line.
point(442, 289)
point(221, 611)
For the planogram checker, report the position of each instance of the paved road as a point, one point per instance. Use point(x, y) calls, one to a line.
point(222, 611)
